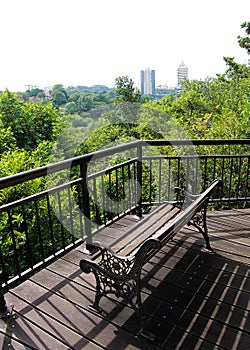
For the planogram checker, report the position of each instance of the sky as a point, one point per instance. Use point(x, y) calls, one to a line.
point(83, 42)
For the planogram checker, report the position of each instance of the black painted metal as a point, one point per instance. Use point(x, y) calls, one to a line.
point(3, 305)
point(38, 221)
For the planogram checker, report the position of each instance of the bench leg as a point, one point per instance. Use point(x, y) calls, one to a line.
point(98, 294)
point(137, 306)
point(204, 232)
point(199, 220)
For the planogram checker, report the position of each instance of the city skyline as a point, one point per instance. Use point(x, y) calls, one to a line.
point(146, 84)
point(88, 43)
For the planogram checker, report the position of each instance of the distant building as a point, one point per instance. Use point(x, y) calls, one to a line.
point(182, 72)
point(148, 82)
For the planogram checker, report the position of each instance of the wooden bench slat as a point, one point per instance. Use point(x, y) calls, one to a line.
point(143, 225)
point(149, 231)
point(140, 227)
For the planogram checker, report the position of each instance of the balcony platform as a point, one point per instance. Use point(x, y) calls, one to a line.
point(193, 299)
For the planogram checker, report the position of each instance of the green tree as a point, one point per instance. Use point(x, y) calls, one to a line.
point(126, 91)
point(59, 95)
point(235, 70)
point(30, 123)
point(244, 42)
point(70, 108)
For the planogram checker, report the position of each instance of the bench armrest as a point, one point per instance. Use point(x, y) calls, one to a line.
point(184, 198)
point(116, 266)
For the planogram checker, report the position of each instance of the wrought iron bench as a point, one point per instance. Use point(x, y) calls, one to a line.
point(117, 269)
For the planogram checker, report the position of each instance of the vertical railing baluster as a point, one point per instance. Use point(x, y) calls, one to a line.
point(170, 161)
point(103, 199)
point(51, 225)
point(205, 174)
point(117, 191)
point(188, 177)
point(15, 260)
point(223, 168)
point(86, 204)
point(197, 173)
point(214, 167)
point(139, 180)
point(159, 180)
point(135, 185)
point(96, 207)
point(247, 182)
point(72, 231)
point(110, 207)
point(238, 183)
point(178, 171)
point(123, 190)
point(30, 256)
point(150, 180)
point(60, 216)
point(230, 179)
point(129, 186)
point(38, 224)
point(79, 200)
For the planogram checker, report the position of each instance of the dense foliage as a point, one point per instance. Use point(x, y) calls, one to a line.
point(28, 131)
point(37, 127)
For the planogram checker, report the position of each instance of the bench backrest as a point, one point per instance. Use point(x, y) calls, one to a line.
point(164, 234)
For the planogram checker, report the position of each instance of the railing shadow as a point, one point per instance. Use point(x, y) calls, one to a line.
point(192, 300)
point(197, 303)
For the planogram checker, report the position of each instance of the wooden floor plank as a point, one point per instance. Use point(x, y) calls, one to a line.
point(192, 299)
point(70, 291)
point(7, 342)
point(88, 325)
point(37, 330)
point(191, 238)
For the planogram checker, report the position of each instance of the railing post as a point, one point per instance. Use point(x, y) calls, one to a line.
point(86, 205)
point(5, 311)
point(3, 305)
point(139, 180)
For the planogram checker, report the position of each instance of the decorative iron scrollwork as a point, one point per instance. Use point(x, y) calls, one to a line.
point(198, 219)
point(119, 275)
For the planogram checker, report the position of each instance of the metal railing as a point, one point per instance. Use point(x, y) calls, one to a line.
point(47, 211)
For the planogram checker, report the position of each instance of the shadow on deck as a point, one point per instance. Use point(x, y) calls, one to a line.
point(193, 299)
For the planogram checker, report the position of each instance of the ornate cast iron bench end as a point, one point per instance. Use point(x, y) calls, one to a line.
point(119, 275)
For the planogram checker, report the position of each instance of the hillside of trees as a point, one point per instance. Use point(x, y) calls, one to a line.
point(84, 119)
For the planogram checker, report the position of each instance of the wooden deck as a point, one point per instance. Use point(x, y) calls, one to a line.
point(193, 299)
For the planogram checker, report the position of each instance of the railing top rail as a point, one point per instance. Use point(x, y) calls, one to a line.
point(15, 179)
point(197, 142)
point(62, 165)
point(199, 156)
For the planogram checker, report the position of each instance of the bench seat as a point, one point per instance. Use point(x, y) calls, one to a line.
point(117, 268)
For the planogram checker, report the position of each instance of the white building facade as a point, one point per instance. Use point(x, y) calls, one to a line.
point(182, 72)
point(148, 82)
